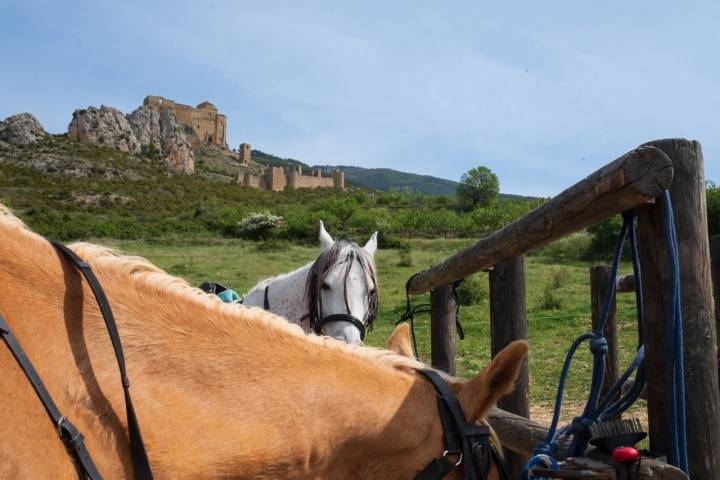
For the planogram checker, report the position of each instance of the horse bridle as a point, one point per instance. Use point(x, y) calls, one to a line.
point(464, 443)
point(68, 433)
point(340, 317)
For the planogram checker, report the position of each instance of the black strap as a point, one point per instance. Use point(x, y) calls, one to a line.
point(266, 300)
point(436, 469)
point(470, 442)
point(340, 317)
point(141, 463)
point(70, 436)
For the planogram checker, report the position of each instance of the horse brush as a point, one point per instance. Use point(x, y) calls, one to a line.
point(612, 434)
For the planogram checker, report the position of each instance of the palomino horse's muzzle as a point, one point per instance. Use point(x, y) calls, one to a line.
point(341, 317)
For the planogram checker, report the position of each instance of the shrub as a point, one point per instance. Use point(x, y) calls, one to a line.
point(257, 225)
point(560, 278)
point(551, 299)
point(404, 255)
point(473, 290)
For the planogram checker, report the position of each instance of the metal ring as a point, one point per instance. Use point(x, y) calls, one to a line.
point(446, 453)
point(60, 421)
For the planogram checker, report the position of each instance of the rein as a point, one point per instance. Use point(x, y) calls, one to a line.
point(69, 434)
point(467, 443)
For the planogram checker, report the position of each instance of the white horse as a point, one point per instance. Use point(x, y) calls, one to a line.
point(336, 295)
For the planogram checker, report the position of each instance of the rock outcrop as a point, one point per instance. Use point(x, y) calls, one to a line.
point(145, 124)
point(105, 126)
point(175, 144)
point(21, 129)
point(143, 130)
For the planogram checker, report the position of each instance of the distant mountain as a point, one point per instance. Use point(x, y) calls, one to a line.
point(383, 179)
point(387, 180)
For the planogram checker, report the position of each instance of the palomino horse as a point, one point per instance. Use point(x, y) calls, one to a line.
point(336, 295)
point(220, 392)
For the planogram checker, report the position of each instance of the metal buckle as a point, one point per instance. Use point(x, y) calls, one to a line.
point(60, 422)
point(460, 459)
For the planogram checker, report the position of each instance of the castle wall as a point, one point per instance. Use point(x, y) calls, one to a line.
point(277, 179)
point(307, 181)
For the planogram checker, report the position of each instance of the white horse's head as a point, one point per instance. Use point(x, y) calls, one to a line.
point(342, 288)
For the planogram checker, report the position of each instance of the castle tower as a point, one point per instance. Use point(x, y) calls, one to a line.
point(245, 153)
point(317, 173)
point(292, 177)
point(275, 179)
point(338, 180)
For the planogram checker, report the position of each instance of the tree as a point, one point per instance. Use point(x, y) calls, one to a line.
point(478, 187)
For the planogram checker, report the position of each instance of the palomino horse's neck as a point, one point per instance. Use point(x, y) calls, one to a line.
point(220, 392)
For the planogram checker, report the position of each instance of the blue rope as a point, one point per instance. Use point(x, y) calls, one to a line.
point(602, 409)
point(674, 346)
point(597, 410)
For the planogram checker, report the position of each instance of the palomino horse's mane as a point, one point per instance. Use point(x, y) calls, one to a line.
point(144, 275)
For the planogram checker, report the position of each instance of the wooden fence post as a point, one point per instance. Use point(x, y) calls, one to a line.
point(443, 331)
point(701, 373)
point(715, 261)
point(599, 284)
point(508, 322)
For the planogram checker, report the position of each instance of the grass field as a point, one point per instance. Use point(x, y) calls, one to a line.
point(558, 300)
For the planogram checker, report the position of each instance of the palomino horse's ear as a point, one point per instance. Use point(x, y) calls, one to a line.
point(326, 241)
point(371, 245)
point(481, 393)
point(399, 341)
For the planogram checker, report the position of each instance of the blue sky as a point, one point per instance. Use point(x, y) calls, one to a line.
point(543, 93)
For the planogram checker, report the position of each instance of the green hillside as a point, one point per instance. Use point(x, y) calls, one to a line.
point(389, 180)
point(69, 190)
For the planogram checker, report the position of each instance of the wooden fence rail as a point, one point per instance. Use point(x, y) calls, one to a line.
point(633, 179)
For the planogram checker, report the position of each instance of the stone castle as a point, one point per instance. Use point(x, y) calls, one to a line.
point(176, 131)
point(278, 179)
point(202, 124)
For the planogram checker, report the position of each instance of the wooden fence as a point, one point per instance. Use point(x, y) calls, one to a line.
point(632, 181)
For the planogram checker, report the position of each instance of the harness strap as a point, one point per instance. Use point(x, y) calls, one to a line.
point(266, 300)
point(438, 468)
point(141, 463)
point(68, 433)
point(470, 442)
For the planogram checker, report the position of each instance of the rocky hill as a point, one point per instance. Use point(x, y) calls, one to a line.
point(145, 130)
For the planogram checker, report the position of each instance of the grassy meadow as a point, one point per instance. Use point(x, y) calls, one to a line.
point(557, 283)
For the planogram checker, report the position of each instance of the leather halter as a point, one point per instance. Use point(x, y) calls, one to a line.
point(340, 317)
point(468, 444)
point(69, 434)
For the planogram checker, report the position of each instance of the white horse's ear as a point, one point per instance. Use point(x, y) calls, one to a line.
point(326, 241)
point(371, 245)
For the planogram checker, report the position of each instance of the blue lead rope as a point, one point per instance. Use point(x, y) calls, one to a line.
point(674, 345)
point(596, 409)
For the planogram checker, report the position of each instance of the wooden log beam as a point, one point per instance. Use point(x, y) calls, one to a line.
point(600, 279)
point(701, 370)
point(633, 179)
point(522, 436)
point(508, 322)
point(443, 328)
point(625, 284)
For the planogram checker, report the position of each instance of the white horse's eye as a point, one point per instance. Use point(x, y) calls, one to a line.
point(326, 286)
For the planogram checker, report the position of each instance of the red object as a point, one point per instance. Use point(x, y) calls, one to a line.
point(625, 455)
